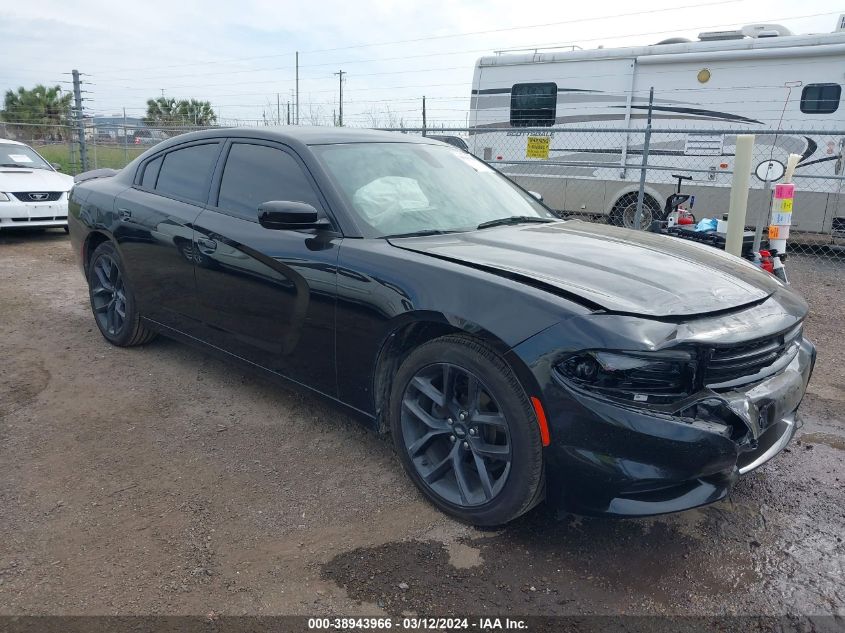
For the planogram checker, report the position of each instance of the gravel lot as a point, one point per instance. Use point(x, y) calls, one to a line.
point(158, 480)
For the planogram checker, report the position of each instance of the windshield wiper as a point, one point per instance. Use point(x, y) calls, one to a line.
point(421, 233)
point(18, 165)
point(514, 219)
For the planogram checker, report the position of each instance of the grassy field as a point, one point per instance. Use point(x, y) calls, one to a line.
point(113, 156)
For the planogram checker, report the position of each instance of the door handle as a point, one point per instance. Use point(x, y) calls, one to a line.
point(206, 245)
point(124, 214)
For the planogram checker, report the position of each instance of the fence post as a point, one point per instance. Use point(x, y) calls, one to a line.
point(763, 219)
point(638, 216)
point(80, 121)
point(739, 193)
point(125, 141)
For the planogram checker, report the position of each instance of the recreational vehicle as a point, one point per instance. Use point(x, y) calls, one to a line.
point(570, 124)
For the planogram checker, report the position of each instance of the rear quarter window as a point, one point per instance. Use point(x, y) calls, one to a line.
point(151, 169)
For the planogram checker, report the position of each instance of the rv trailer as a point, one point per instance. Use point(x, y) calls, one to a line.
point(569, 124)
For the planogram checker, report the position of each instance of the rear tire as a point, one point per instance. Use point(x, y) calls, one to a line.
point(112, 302)
point(466, 432)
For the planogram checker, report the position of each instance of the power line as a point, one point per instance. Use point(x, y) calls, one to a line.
point(438, 37)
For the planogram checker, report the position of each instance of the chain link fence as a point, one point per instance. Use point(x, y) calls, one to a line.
point(589, 173)
point(595, 174)
point(111, 145)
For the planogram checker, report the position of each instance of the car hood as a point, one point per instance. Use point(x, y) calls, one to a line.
point(14, 179)
point(609, 268)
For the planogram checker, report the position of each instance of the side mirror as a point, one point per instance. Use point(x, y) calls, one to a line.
point(281, 215)
point(539, 196)
point(56, 166)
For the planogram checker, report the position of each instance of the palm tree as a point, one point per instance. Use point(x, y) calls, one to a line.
point(171, 113)
point(39, 113)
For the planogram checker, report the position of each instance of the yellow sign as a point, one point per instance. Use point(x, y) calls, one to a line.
point(538, 147)
point(786, 205)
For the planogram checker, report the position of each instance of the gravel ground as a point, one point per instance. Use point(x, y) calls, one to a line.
point(160, 481)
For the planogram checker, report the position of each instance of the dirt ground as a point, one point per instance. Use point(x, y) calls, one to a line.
point(160, 481)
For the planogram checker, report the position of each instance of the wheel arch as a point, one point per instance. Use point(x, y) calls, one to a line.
point(413, 329)
point(92, 241)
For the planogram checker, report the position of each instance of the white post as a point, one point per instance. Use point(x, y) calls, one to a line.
point(739, 193)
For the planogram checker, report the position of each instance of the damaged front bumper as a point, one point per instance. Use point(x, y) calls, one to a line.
point(612, 459)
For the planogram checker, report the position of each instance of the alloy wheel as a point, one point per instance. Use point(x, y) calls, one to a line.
point(108, 295)
point(456, 435)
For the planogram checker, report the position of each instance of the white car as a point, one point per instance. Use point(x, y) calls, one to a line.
point(32, 192)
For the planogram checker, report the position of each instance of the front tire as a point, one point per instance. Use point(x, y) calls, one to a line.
point(112, 302)
point(465, 431)
point(625, 210)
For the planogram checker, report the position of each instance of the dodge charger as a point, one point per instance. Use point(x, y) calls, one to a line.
point(514, 357)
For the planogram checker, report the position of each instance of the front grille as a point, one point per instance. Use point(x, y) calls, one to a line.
point(731, 363)
point(37, 196)
point(41, 219)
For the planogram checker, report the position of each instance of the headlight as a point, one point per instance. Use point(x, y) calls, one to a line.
point(642, 377)
point(4, 197)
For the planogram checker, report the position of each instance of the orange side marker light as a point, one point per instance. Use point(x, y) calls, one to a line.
point(541, 421)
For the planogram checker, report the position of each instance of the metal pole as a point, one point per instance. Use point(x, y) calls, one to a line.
point(763, 219)
point(288, 112)
point(638, 216)
point(297, 87)
point(340, 75)
point(125, 140)
point(423, 128)
point(80, 122)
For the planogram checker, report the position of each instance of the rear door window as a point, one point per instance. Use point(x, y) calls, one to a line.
point(185, 172)
point(258, 173)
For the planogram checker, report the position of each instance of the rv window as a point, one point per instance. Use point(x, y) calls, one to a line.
point(820, 98)
point(533, 105)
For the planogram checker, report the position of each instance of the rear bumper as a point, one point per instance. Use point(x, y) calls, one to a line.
point(615, 460)
point(15, 214)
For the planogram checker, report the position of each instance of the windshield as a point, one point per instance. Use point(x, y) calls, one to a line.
point(401, 188)
point(21, 156)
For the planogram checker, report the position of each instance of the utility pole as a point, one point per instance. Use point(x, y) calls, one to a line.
point(340, 75)
point(80, 122)
point(297, 87)
point(423, 131)
point(288, 112)
point(278, 109)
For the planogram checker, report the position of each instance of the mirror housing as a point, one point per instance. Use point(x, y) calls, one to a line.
point(284, 215)
point(56, 166)
point(539, 196)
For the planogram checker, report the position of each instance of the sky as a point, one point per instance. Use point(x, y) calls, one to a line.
point(240, 55)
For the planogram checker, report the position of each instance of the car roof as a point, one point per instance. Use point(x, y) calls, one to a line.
point(10, 141)
point(306, 135)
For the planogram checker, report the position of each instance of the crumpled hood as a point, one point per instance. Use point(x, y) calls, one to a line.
point(619, 270)
point(19, 180)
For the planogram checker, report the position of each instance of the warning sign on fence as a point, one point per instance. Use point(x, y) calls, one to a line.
point(778, 232)
point(538, 147)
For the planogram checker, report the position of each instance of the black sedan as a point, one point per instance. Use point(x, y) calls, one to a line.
point(514, 357)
